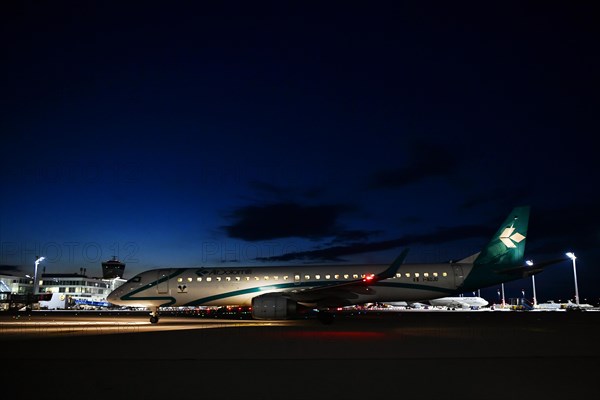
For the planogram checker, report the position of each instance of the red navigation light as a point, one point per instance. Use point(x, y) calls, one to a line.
point(369, 278)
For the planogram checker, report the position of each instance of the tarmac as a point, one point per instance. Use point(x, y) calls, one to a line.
point(374, 355)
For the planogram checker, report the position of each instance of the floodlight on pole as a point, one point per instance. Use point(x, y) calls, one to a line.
point(573, 258)
point(36, 282)
point(530, 263)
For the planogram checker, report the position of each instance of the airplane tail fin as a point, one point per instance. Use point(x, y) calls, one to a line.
point(503, 253)
point(507, 246)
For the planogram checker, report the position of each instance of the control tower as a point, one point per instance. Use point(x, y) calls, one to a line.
point(112, 269)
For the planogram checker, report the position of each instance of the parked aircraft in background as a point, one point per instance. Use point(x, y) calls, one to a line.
point(581, 306)
point(550, 306)
point(279, 292)
point(450, 302)
point(473, 302)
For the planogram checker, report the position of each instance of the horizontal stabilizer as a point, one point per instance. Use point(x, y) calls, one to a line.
point(526, 271)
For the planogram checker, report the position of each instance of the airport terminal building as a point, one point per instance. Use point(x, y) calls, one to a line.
point(62, 290)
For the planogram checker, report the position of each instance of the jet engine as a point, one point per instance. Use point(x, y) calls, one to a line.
point(273, 306)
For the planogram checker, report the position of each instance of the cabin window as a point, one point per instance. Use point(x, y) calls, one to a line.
point(208, 279)
point(218, 279)
point(285, 277)
point(256, 278)
point(317, 276)
point(336, 276)
point(417, 274)
point(275, 277)
point(398, 275)
point(407, 274)
point(355, 276)
point(307, 277)
point(237, 278)
point(228, 278)
point(179, 279)
point(247, 278)
point(266, 278)
point(346, 276)
point(189, 279)
point(199, 279)
point(435, 274)
point(444, 274)
point(425, 274)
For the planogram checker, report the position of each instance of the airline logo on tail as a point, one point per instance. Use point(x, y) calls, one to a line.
point(509, 239)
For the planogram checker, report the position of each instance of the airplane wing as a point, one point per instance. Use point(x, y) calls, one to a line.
point(340, 294)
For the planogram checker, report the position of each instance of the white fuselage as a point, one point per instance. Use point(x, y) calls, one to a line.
point(237, 286)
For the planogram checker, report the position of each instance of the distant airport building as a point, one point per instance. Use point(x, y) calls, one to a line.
point(10, 283)
point(77, 291)
point(59, 291)
point(112, 269)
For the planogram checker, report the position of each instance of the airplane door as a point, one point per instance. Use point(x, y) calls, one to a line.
point(162, 279)
point(458, 275)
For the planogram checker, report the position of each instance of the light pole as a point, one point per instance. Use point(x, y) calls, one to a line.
point(503, 302)
point(36, 282)
point(530, 263)
point(573, 258)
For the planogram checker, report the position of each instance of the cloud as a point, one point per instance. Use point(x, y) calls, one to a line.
point(335, 253)
point(425, 160)
point(282, 220)
point(352, 236)
point(9, 268)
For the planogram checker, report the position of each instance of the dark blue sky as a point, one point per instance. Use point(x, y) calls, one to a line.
point(203, 133)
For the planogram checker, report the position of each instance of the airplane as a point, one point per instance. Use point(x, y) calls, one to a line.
point(550, 305)
point(578, 307)
point(285, 292)
point(471, 302)
point(452, 302)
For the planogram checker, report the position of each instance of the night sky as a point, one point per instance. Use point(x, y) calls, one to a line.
point(180, 133)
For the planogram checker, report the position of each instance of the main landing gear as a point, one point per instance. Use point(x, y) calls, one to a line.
point(154, 315)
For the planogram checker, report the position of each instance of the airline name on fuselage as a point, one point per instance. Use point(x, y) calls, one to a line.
point(223, 271)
